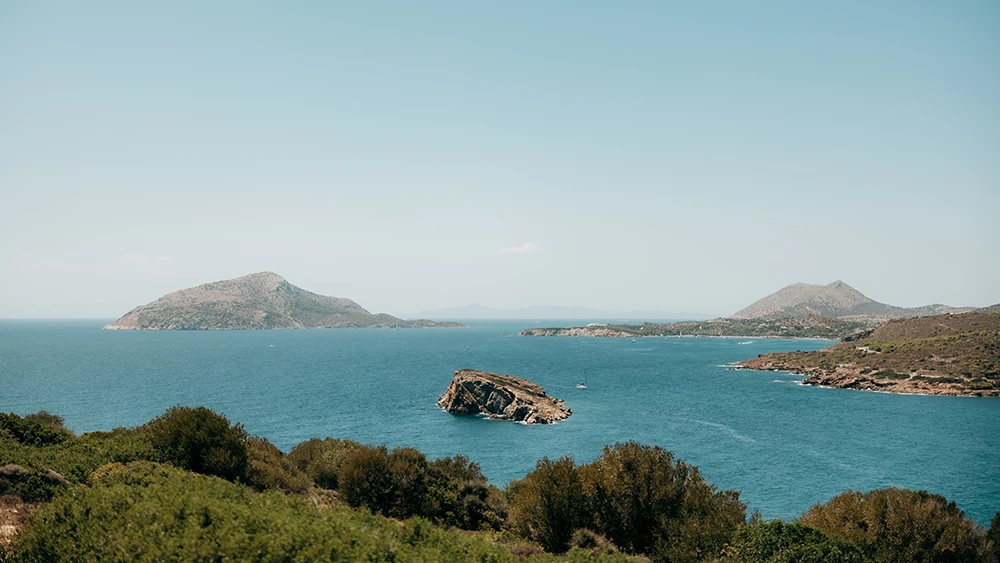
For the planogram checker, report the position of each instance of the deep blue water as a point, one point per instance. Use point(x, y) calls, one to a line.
point(785, 446)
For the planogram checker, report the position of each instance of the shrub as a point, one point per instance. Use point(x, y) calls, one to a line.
point(200, 440)
point(778, 542)
point(899, 525)
point(323, 460)
point(269, 468)
point(365, 481)
point(30, 432)
point(458, 494)
point(993, 536)
point(549, 504)
point(646, 502)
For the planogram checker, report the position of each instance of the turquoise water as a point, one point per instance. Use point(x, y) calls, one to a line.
point(785, 446)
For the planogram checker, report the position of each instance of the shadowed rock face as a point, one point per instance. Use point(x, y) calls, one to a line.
point(501, 396)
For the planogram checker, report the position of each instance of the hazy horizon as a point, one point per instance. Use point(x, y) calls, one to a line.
point(642, 157)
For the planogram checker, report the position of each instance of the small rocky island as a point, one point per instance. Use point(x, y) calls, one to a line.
point(501, 396)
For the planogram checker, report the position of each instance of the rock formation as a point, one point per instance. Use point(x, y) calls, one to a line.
point(501, 396)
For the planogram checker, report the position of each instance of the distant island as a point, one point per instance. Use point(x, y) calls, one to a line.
point(800, 310)
point(939, 355)
point(258, 301)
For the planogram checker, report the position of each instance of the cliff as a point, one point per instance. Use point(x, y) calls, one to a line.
point(940, 355)
point(501, 396)
point(263, 300)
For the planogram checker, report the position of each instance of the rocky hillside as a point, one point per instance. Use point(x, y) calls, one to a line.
point(837, 300)
point(501, 396)
point(940, 355)
point(257, 301)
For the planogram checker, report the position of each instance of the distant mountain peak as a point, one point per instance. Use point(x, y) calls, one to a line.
point(836, 300)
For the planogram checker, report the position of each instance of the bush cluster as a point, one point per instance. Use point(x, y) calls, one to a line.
point(779, 542)
point(402, 483)
point(899, 525)
point(636, 496)
point(190, 485)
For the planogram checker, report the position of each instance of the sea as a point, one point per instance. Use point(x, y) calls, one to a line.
point(783, 445)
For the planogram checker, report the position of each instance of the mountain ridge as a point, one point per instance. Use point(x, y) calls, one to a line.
point(258, 301)
point(835, 300)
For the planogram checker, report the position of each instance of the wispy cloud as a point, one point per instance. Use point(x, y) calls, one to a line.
point(143, 262)
point(526, 248)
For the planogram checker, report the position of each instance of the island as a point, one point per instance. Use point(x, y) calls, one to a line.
point(258, 301)
point(501, 396)
point(939, 355)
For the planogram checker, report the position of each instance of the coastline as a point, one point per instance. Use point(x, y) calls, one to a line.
point(854, 380)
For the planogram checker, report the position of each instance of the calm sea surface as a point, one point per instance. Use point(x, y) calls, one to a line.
point(785, 446)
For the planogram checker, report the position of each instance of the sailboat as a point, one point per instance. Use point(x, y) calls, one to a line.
point(582, 385)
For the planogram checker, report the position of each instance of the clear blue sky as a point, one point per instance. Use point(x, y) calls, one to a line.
point(675, 156)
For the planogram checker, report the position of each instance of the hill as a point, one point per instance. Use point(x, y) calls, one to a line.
point(809, 326)
point(263, 300)
point(939, 355)
point(837, 300)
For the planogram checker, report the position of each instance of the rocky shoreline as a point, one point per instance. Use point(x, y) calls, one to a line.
point(843, 377)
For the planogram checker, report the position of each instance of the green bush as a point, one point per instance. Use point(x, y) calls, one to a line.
point(77, 457)
point(323, 460)
point(646, 502)
point(778, 542)
point(200, 440)
point(899, 525)
point(30, 432)
point(458, 494)
point(993, 537)
point(269, 468)
point(549, 504)
point(636, 496)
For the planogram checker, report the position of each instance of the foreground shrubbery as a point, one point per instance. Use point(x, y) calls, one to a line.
point(636, 496)
point(152, 512)
point(186, 486)
point(779, 542)
point(898, 526)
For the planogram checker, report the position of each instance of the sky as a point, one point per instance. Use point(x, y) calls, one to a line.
point(689, 156)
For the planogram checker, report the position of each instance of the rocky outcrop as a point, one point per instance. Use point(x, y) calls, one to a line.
point(263, 300)
point(501, 396)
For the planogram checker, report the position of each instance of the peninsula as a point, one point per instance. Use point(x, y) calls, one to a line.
point(940, 355)
point(809, 326)
point(501, 396)
point(258, 301)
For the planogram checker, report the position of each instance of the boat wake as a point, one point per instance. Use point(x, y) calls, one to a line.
point(727, 429)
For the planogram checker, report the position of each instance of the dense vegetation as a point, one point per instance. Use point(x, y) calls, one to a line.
point(191, 485)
